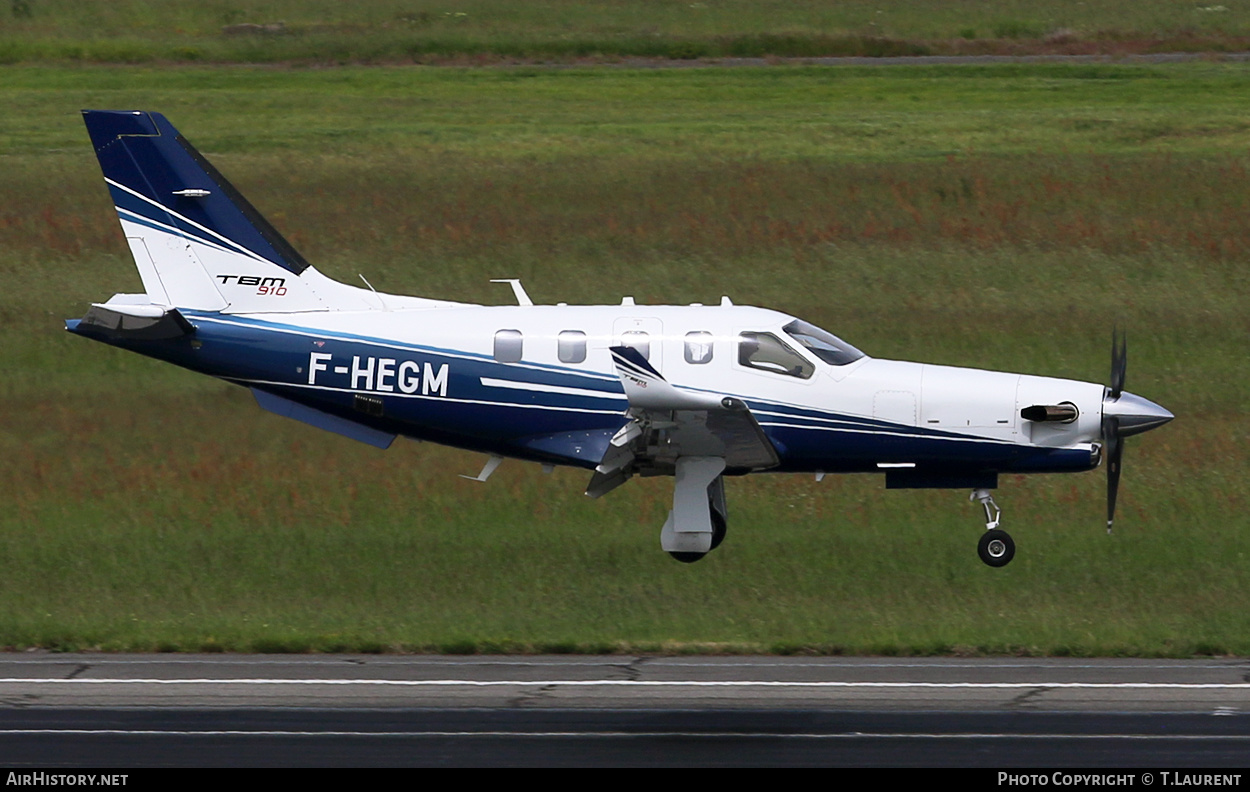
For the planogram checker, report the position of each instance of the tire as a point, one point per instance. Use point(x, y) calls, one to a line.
point(720, 527)
point(686, 558)
point(996, 548)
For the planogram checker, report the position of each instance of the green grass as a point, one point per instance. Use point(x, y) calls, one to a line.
point(327, 31)
point(998, 217)
point(900, 113)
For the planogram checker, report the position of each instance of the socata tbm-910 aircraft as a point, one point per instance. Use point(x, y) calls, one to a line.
point(694, 392)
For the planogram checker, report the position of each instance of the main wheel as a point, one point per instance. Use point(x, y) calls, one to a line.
point(720, 527)
point(996, 548)
point(686, 558)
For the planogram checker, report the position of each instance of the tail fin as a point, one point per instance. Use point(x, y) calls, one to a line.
point(196, 241)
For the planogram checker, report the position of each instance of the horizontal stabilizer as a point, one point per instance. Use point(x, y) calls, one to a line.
point(331, 423)
point(134, 321)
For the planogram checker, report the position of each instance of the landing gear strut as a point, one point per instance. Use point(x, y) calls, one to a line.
point(995, 547)
point(698, 520)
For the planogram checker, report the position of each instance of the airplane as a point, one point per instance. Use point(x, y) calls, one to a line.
point(695, 392)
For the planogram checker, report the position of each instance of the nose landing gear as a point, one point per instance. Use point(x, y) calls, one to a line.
point(995, 547)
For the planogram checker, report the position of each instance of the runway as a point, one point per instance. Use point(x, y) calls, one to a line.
point(111, 711)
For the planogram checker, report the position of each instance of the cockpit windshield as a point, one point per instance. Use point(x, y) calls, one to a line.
point(823, 344)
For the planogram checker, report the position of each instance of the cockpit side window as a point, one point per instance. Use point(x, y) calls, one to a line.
point(767, 352)
point(823, 344)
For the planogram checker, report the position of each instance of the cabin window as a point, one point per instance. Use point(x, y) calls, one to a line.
point(767, 352)
point(639, 341)
point(699, 347)
point(508, 346)
point(572, 346)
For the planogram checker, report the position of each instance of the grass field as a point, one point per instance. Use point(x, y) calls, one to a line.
point(468, 31)
point(998, 217)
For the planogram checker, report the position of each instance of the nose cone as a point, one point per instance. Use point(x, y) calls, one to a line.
point(1135, 414)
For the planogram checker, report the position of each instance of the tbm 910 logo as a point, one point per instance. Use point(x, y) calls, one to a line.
point(265, 285)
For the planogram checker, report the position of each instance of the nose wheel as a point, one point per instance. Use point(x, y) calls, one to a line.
point(995, 547)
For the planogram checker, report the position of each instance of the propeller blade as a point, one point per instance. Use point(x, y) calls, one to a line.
point(1115, 455)
point(1111, 423)
point(1119, 362)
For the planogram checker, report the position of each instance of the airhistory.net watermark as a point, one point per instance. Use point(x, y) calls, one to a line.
point(65, 779)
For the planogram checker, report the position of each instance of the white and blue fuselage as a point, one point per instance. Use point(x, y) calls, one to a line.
point(694, 391)
point(434, 374)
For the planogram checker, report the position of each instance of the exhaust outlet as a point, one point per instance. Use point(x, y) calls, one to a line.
point(1051, 413)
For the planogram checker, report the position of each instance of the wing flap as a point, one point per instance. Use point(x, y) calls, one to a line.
point(746, 445)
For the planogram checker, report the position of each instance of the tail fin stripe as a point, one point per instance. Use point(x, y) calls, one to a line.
point(147, 222)
point(192, 227)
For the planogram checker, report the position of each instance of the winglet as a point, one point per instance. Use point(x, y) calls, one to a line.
point(630, 359)
point(647, 389)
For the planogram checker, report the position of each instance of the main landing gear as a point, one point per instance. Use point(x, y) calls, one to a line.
point(698, 521)
point(995, 547)
point(720, 525)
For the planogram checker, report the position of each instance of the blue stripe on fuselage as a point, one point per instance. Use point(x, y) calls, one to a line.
point(457, 409)
point(454, 408)
point(590, 380)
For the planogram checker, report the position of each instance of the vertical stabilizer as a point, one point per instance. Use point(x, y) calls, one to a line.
point(196, 241)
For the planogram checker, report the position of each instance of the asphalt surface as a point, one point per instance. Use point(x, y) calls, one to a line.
point(111, 711)
point(382, 681)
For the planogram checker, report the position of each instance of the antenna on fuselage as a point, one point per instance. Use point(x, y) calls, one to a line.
point(517, 289)
point(376, 293)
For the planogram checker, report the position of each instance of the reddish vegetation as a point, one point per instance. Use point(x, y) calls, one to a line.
point(1104, 203)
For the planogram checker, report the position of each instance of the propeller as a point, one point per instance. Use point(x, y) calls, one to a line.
point(1111, 422)
point(1123, 414)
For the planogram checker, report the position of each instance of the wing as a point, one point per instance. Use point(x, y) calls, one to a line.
point(670, 422)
